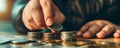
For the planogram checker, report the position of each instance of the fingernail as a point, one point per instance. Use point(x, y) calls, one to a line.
point(79, 33)
point(49, 22)
point(87, 35)
point(116, 35)
point(100, 35)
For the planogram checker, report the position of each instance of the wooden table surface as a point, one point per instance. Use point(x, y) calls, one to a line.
point(6, 28)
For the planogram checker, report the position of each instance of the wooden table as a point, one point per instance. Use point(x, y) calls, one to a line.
point(6, 28)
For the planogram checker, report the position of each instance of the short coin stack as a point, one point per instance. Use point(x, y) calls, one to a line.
point(66, 36)
point(48, 37)
point(33, 36)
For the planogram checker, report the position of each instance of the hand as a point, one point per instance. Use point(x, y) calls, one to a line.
point(39, 14)
point(100, 28)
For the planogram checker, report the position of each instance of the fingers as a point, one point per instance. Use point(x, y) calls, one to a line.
point(96, 27)
point(37, 14)
point(117, 33)
point(93, 30)
point(38, 19)
point(47, 11)
point(108, 29)
point(84, 28)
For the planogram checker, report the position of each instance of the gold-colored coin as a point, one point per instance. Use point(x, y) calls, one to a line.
point(49, 41)
point(67, 44)
point(105, 42)
point(58, 41)
point(84, 42)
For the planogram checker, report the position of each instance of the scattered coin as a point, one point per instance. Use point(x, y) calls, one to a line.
point(20, 40)
point(2, 41)
point(84, 42)
point(16, 46)
point(105, 42)
point(50, 44)
point(67, 43)
point(57, 41)
point(87, 46)
point(33, 44)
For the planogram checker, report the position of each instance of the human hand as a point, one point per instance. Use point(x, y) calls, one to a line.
point(100, 28)
point(39, 14)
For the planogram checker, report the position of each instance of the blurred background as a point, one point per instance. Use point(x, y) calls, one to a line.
point(6, 26)
point(5, 9)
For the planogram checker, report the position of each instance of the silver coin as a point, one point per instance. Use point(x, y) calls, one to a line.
point(20, 40)
point(87, 46)
point(56, 26)
point(33, 34)
point(15, 46)
point(50, 44)
point(33, 44)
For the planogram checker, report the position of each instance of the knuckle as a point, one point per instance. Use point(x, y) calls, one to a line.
point(39, 24)
point(45, 3)
point(34, 9)
point(31, 28)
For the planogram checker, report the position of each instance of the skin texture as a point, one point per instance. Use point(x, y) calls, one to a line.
point(40, 14)
point(99, 28)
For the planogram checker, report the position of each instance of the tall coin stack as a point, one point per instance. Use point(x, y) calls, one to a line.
point(48, 37)
point(66, 36)
point(33, 36)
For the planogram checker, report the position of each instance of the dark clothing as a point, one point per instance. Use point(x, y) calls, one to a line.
point(79, 12)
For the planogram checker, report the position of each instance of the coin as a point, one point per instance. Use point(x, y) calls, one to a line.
point(39, 41)
point(105, 42)
point(50, 44)
point(87, 46)
point(16, 45)
point(57, 41)
point(56, 26)
point(67, 43)
point(21, 39)
point(33, 44)
point(84, 42)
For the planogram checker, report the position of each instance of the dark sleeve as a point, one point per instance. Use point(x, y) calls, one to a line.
point(111, 13)
point(17, 15)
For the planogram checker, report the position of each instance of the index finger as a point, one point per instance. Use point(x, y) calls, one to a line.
point(47, 11)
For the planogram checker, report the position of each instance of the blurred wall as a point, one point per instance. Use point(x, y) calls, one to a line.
point(6, 15)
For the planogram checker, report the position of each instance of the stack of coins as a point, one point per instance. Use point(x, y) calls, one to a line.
point(33, 36)
point(48, 37)
point(66, 36)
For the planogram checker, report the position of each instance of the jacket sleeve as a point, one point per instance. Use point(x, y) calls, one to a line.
point(17, 15)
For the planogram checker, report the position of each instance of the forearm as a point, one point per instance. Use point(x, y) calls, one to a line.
point(17, 15)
